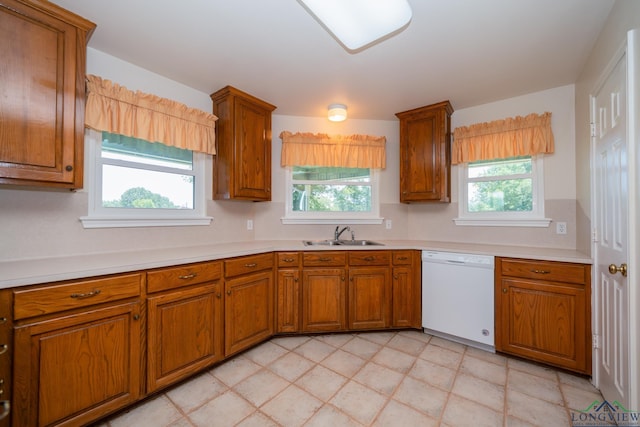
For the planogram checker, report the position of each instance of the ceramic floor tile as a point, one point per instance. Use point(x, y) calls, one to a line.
point(362, 348)
point(449, 345)
point(359, 402)
point(416, 335)
point(536, 411)
point(156, 412)
point(343, 363)
point(257, 419)
point(323, 383)
point(260, 387)
point(196, 392)
point(227, 409)
point(292, 407)
point(265, 353)
point(532, 368)
point(290, 342)
point(378, 337)
point(421, 396)
point(291, 366)
point(182, 422)
point(329, 415)
point(394, 359)
point(487, 356)
point(396, 414)
point(479, 391)
point(576, 381)
point(579, 398)
point(336, 340)
point(407, 345)
point(463, 412)
point(235, 370)
point(482, 369)
point(441, 356)
point(315, 350)
point(379, 378)
point(535, 386)
point(433, 374)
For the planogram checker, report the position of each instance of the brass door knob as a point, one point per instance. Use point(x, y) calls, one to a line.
point(613, 269)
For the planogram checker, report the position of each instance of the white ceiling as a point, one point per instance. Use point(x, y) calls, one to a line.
point(468, 51)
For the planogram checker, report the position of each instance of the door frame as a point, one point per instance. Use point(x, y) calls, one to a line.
point(630, 48)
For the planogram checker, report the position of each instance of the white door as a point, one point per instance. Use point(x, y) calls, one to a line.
point(611, 198)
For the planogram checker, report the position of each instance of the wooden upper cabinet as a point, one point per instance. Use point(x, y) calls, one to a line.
point(242, 164)
point(42, 95)
point(425, 154)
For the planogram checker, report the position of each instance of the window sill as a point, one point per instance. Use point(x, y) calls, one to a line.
point(333, 221)
point(109, 222)
point(502, 222)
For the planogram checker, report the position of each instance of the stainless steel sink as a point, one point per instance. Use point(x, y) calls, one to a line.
point(341, 243)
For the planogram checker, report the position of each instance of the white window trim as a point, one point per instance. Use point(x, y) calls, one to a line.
point(297, 217)
point(535, 218)
point(100, 217)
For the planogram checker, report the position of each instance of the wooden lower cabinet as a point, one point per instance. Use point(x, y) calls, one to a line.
point(76, 368)
point(288, 301)
point(185, 333)
point(543, 312)
point(324, 299)
point(248, 311)
point(369, 297)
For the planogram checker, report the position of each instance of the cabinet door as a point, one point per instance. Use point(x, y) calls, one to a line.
point(41, 96)
point(288, 301)
point(324, 299)
point(184, 333)
point(543, 321)
point(369, 297)
point(248, 311)
point(403, 298)
point(252, 178)
point(74, 369)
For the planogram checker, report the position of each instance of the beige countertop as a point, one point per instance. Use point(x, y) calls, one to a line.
point(44, 270)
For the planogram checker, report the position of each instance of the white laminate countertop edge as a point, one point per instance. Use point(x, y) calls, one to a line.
point(53, 269)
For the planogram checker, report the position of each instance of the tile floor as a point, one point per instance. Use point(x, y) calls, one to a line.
point(367, 379)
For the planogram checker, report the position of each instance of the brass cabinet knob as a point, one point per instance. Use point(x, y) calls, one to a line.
point(504, 290)
point(613, 269)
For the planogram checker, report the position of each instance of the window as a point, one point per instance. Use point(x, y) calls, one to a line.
point(133, 182)
point(504, 192)
point(320, 194)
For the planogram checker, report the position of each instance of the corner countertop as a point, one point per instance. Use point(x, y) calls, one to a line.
point(53, 269)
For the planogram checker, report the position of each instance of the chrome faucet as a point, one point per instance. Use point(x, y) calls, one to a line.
point(339, 232)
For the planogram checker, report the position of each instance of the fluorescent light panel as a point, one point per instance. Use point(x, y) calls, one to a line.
point(358, 23)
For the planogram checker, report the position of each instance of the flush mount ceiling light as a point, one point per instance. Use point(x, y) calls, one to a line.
point(358, 23)
point(337, 112)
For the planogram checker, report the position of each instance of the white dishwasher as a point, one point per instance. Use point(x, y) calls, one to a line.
point(457, 297)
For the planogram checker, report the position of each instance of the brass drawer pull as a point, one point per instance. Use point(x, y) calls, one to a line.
point(87, 295)
point(369, 258)
point(540, 271)
point(288, 259)
point(188, 276)
point(252, 265)
point(324, 259)
point(6, 407)
point(3, 348)
point(403, 258)
point(3, 320)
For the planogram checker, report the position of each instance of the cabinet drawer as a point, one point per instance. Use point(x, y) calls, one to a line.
point(369, 258)
point(402, 257)
point(184, 275)
point(288, 259)
point(67, 296)
point(545, 270)
point(321, 259)
point(247, 264)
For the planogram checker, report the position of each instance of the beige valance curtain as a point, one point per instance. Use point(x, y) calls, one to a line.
point(501, 139)
point(115, 109)
point(354, 151)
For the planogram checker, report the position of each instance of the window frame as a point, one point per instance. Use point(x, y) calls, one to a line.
point(306, 217)
point(534, 218)
point(101, 217)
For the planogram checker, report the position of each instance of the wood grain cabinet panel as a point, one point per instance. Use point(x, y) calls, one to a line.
point(425, 154)
point(288, 284)
point(541, 319)
point(242, 164)
point(43, 51)
point(369, 297)
point(324, 299)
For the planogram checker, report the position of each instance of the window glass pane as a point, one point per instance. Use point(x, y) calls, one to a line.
point(331, 198)
point(124, 187)
point(510, 195)
point(521, 165)
point(141, 151)
point(323, 173)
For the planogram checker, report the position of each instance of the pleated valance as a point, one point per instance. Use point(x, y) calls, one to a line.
point(115, 109)
point(501, 139)
point(353, 151)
